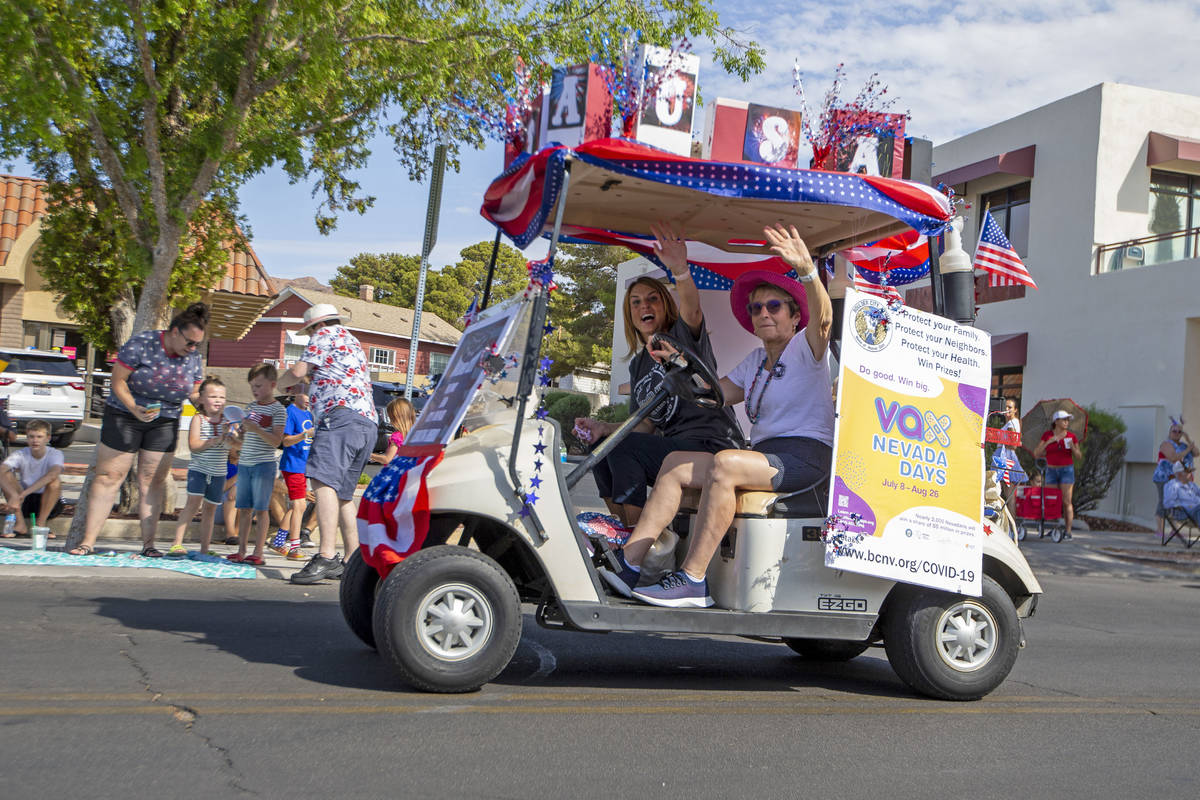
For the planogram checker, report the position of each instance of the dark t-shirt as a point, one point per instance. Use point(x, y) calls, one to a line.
point(156, 376)
point(675, 417)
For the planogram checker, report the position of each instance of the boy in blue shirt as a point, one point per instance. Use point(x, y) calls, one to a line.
point(297, 439)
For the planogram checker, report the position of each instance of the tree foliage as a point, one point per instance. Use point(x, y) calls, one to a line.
point(582, 308)
point(448, 291)
point(147, 110)
point(1101, 456)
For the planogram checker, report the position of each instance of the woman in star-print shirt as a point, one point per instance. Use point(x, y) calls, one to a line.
point(154, 373)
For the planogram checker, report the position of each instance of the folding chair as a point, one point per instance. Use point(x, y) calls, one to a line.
point(1184, 526)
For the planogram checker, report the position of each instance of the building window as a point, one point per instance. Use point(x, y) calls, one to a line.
point(292, 353)
point(1010, 208)
point(1174, 207)
point(1006, 383)
point(437, 363)
point(383, 358)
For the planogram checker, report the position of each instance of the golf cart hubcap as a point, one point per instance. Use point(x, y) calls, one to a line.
point(454, 621)
point(966, 636)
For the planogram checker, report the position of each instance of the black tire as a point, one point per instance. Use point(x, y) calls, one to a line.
point(912, 628)
point(443, 577)
point(1056, 535)
point(827, 649)
point(357, 597)
point(62, 440)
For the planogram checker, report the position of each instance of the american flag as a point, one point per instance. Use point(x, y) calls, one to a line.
point(887, 293)
point(393, 515)
point(996, 256)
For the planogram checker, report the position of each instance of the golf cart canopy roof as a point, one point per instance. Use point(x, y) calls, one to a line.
point(617, 188)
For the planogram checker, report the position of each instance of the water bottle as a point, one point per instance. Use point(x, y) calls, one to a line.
point(10, 522)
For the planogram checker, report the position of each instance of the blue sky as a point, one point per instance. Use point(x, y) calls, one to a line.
point(956, 67)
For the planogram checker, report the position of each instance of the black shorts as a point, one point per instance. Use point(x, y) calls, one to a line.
point(800, 461)
point(32, 506)
point(126, 433)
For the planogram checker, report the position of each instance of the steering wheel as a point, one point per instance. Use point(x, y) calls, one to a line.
point(688, 377)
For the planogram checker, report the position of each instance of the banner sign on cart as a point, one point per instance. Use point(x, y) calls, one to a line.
point(444, 412)
point(907, 493)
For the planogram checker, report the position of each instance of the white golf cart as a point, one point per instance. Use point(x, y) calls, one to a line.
point(448, 617)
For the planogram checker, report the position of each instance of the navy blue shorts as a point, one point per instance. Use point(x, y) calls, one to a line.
point(800, 461)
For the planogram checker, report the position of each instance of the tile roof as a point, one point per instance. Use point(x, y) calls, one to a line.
point(25, 201)
point(382, 317)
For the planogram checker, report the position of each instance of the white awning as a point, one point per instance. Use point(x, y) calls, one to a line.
point(297, 338)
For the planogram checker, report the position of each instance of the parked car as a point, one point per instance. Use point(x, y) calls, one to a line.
point(385, 392)
point(41, 384)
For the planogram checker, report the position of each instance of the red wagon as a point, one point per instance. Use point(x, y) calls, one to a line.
point(1043, 506)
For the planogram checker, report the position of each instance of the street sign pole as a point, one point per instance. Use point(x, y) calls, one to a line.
point(431, 224)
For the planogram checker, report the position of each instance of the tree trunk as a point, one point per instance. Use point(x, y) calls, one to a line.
point(154, 305)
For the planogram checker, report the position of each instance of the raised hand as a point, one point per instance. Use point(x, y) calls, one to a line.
point(670, 247)
point(787, 244)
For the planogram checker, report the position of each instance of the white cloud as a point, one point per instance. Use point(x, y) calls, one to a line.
point(960, 67)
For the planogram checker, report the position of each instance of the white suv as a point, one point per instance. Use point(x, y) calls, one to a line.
point(40, 384)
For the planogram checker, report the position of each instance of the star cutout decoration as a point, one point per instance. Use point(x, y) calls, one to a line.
point(536, 482)
point(545, 362)
point(524, 511)
point(540, 448)
point(549, 329)
point(542, 413)
point(537, 465)
point(531, 498)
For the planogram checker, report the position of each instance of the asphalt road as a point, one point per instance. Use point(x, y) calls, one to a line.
point(181, 687)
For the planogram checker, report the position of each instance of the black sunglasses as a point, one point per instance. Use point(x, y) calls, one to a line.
point(771, 306)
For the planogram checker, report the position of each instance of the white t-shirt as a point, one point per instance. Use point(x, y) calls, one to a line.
point(798, 402)
point(30, 470)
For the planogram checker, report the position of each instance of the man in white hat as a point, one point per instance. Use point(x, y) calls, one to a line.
point(341, 401)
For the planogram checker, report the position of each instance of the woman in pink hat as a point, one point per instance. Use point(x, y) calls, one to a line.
point(785, 386)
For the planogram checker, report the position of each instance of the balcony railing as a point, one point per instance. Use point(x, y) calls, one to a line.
point(1148, 250)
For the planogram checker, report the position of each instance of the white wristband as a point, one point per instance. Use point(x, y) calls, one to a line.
point(807, 277)
point(687, 276)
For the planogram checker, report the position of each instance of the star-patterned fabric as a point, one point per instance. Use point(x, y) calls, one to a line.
point(340, 376)
point(155, 376)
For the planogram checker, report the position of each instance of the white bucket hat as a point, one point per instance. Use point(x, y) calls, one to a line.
point(321, 312)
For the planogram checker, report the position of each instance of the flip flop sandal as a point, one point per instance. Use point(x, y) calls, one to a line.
point(235, 558)
point(256, 561)
point(150, 552)
point(81, 550)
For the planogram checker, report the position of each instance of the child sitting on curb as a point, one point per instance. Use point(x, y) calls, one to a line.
point(31, 480)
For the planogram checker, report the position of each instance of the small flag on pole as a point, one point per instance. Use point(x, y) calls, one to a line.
point(883, 292)
point(996, 256)
point(469, 315)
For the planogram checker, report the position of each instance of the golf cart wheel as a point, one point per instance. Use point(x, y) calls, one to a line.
point(448, 619)
point(1056, 535)
point(357, 597)
point(1021, 532)
point(951, 646)
point(827, 649)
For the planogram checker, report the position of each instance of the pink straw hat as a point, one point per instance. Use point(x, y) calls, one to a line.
point(747, 282)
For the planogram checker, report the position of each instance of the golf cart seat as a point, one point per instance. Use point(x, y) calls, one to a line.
point(807, 502)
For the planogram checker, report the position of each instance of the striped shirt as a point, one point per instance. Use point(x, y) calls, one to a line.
point(212, 460)
point(255, 449)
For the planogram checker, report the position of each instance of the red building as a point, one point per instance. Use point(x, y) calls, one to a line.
point(383, 329)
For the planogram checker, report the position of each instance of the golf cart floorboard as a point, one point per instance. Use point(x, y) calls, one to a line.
point(619, 614)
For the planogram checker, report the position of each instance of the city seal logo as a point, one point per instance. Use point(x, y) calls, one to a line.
point(870, 324)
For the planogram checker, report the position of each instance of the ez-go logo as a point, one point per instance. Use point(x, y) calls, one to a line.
point(841, 604)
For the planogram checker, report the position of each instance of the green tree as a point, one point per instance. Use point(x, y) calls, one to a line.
point(146, 110)
point(582, 308)
point(448, 291)
point(1101, 456)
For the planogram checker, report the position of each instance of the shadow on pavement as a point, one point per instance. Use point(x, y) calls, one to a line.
point(310, 637)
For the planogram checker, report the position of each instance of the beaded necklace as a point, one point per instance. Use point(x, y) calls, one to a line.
point(775, 372)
